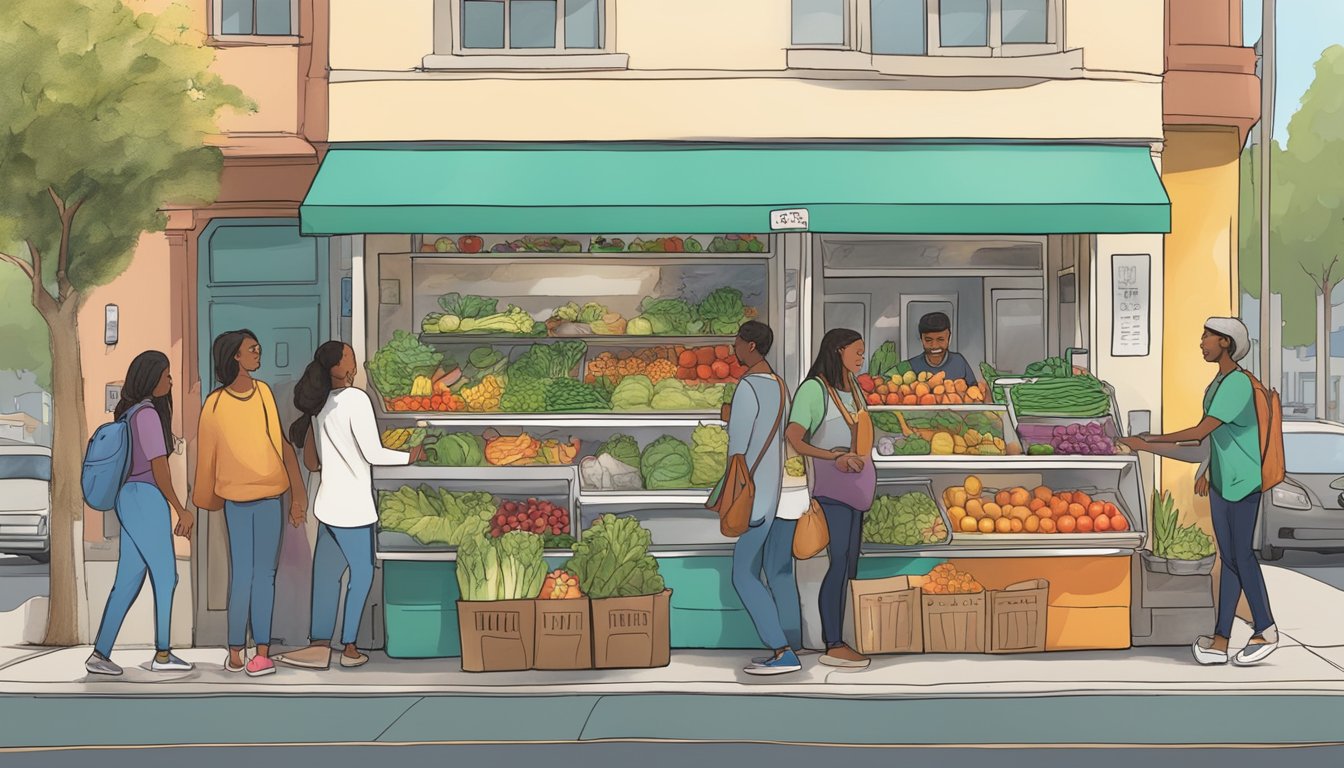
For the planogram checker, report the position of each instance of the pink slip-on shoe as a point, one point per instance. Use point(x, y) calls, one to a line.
point(260, 666)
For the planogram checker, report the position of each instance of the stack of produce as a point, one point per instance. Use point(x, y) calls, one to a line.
point(523, 450)
point(395, 367)
point(911, 519)
point(612, 559)
point(1086, 439)
point(946, 579)
point(941, 433)
point(657, 363)
point(511, 567)
point(483, 397)
point(736, 244)
point(540, 381)
point(590, 319)
point(458, 449)
point(919, 389)
point(721, 313)
point(615, 466)
point(403, 438)
point(478, 315)
point(709, 365)
point(560, 585)
point(639, 393)
point(1018, 510)
point(435, 516)
point(666, 245)
point(709, 455)
point(532, 516)
point(1173, 540)
point(1082, 397)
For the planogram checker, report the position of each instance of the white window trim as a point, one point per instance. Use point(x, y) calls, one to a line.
point(859, 34)
point(449, 53)
point(219, 36)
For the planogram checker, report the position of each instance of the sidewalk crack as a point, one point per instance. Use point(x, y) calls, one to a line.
point(584, 728)
point(413, 705)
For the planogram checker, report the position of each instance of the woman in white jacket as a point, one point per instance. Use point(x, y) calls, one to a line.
point(339, 437)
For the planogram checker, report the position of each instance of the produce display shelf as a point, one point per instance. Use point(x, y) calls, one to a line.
point(570, 257)
point(562, 474)
point(592, 341)
point(446, 555)
point(1129, 540)
point(559, 420)
point(961, 408)
point(706, 550)
point(1006, 463)
point(686, 498)
point(955, 551)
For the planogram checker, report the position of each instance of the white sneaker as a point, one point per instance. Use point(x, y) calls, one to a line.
point(171, 664)
point(1254, 653)
point(1205, 654)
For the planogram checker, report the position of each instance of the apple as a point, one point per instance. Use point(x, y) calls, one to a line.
point(470, 244)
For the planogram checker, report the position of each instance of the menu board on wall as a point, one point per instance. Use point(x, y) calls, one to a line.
point(1131, 303)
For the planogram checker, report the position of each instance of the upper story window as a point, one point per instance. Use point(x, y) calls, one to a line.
point(929, 27)
point(522, 26)
point(255, 18)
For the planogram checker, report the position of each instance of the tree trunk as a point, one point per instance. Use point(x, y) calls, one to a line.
point(67, 622)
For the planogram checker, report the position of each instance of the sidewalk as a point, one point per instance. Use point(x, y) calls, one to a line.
point(1140, 696)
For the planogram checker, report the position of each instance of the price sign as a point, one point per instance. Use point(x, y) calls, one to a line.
point(1131, 299)
point(789, 219)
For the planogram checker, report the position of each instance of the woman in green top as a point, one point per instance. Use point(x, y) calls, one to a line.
point(1233, 482)
point(843, 481)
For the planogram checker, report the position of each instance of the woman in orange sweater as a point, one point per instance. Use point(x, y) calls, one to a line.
point(244, 466)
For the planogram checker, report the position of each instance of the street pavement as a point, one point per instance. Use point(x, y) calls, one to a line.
point(647, 755)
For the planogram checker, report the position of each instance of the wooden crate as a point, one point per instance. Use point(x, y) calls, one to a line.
point(955, 623)
point(887, 615)
point(1017, 617)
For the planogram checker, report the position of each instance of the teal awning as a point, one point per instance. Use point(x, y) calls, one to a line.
point(908, 188)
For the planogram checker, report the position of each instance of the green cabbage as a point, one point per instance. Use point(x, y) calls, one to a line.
point(709, 455)
point(723, 312)
point(669, 317)
point(622, 448)
point(666, 464)
point(468, 307)
point(634, 393)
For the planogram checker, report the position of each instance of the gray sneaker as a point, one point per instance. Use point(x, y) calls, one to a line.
point(98, 664)
point(171, 664)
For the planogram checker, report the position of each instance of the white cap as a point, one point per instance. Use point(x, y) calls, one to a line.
point(1235, 330)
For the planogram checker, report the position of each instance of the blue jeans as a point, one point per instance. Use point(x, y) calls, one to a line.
point(146, 547)
point(338, 548)
point(846, 529)
point(766, 550)
point(1234, 527)
point(254, 552)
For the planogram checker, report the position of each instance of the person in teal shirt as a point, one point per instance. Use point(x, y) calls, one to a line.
point(1233, 483)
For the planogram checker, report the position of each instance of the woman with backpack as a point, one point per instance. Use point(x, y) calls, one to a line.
point(245, 466)
point(827, 425)
point(339, 437)
point(1234, 484)
point(143, 507)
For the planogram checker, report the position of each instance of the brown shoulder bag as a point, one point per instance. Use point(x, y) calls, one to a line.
point(737, 495)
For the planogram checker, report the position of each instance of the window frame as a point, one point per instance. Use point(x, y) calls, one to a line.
point(455, 10)
point(859, 33)
point(218, 34)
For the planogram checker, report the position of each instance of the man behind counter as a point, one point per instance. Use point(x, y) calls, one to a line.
point(935, 331)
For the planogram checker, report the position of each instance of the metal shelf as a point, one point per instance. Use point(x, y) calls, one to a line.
point(563, 474)
point(592, 341)
point(558, 420)
point(1006, 463)
point(687, 498)
point(947, 552)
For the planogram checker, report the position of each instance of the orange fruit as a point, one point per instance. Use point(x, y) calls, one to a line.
point(1003, 498)
point(1096, 509)
point(1003, 525)
point(1085, 524)
point(1068, 524)
point(975, 508)
point(1032, 524)
point(1043, 493)
point(1019, 497)
point(1119, 523)
point(1037, 504)
point(969, 524)
point(974, 486)
point(1059, 506)
point(1020, 513)
point(1081, 498)
point(986, 525)
point(1111, 510)
point(1103, 523)
point(1017, 525)
point(1045, 513)
point(993, 511)
point(1048, 525)
point(1077, 510)
point(1066, 496)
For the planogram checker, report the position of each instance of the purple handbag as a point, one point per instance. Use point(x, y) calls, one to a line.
point(853, 489)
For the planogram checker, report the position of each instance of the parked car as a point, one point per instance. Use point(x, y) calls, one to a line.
point(1299, 411)
point(25, 500)
point(1306, 510)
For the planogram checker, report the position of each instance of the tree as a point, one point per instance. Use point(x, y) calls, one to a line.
point(1313, 222)
point(104, 120)
point(25, 344)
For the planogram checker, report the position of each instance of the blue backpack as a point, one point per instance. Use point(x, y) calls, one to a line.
point(107, 462)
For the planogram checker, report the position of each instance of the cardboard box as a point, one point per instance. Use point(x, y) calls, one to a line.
point(1017, 617)
point(497, 636)
point(956, 623)
point(887, 615)
point(564, 634)
point(632, 632)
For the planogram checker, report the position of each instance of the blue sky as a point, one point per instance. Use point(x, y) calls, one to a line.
point(1305, 29)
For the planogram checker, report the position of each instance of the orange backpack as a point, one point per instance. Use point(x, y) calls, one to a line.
point(1269, 417)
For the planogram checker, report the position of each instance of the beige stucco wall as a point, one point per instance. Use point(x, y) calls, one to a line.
point(269, 77)
point(384, 35)
point(149, 295)
point(755, 108)
point(704, 34)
